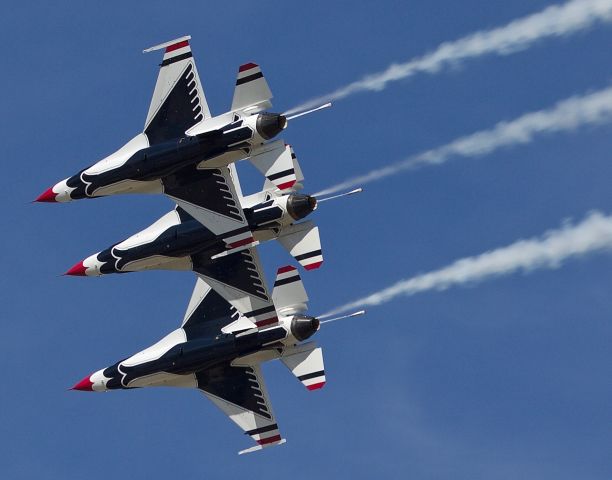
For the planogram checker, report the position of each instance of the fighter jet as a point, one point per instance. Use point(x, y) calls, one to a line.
point(219, 352)
point(210, 233)
point(180, 133)
point(177, 241)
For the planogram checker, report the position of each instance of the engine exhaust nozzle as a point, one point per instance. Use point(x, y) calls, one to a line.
point(304, 327)
point(299, 206)
point(269, 125)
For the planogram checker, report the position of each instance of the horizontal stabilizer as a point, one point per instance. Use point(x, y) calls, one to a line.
point(302, 241)
point(289, 295)
point(251, 89)
point(277, 165)
point(299, 176)
point(306, 363)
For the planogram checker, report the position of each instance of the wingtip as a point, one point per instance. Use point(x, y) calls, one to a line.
point(167, 44)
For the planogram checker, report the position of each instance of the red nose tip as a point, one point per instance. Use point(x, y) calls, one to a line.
point(77, 270)
point(84, 385)
point(47, 196)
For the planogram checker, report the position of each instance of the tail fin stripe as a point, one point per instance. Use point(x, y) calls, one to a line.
point(304, 256)
point(285, 281)
point(284, 173)
point(249, 78)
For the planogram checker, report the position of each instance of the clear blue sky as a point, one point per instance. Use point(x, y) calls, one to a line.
point(502, 380)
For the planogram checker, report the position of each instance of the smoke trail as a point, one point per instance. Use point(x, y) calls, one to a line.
point(566, 115)
point(553, 21)
point(593, 234)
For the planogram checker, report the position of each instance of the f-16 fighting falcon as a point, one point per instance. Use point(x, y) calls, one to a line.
point(219, 352)
point(210, 233)
point(180, 134)
point(178, 241)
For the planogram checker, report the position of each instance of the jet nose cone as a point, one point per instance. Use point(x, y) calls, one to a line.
point(85, 385)
point(90, 267)
point(78, 270)
point(48, 196)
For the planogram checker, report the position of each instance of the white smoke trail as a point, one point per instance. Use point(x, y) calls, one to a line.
point(593, 234)
point(553, 21)
point(566, 115)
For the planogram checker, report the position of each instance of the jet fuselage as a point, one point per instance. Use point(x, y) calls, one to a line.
point(141, 167)
point(172, 362)
point(192, 356)
point(177, 235)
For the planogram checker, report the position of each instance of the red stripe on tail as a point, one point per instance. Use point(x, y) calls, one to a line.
point(247, 66)
point(286, 185)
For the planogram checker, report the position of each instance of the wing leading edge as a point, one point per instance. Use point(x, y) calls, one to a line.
point(178, 101)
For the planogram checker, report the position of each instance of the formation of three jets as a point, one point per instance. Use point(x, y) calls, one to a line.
point(232, 323)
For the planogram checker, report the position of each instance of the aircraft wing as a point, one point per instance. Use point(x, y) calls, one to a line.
point(241, 394)
point(178, 101)
point(209, 196)
point(239, 279)
point(209, 314)
point(302, 241)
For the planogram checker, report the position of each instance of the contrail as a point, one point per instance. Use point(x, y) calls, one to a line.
point(591, 235)
point(567, 115)
point(554, 21)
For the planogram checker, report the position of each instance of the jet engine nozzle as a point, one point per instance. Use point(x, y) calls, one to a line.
point(269, 125)
point(303, 327)
point(299, 206)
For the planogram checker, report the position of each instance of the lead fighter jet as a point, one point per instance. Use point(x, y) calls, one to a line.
point(219, 352)
point(179, 133)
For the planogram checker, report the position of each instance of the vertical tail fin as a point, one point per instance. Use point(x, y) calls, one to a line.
point(289, 295)
point(251, 89)
point(306, 363)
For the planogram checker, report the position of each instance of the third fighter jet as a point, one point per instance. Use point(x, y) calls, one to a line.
point(220, 353)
